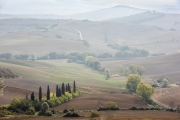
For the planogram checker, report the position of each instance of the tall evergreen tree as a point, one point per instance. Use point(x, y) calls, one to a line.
point(69, 88)
point(57, 91)
point(32, 96)
point(48, 93)
point(63, 89)
point(40, 93)
point(74, 87)
point(66, 88)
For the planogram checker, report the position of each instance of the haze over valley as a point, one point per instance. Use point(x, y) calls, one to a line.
point(101, 46)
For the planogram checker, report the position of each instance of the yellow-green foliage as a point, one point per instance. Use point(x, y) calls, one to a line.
point(4, 113)
point(6, 106)
point(77, 93)
point(21, 104)
point(95, 114)
point(54, 101)
point(16, 103)
point(145, 90)
point(111, 105)
point(31, 111)
point(132, 82)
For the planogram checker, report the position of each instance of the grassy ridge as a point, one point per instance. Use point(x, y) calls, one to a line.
point(56, 71)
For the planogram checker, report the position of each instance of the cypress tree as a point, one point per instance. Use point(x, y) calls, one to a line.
point(74, 87)
point(69, 88)
point(57, 91)
point(48, 93)
point(32, 96)
point(63, 89)
point(40, 94)
point(66, 88)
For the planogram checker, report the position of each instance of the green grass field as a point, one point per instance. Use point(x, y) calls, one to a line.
point(60, 71)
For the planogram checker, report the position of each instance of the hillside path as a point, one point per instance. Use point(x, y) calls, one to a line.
point(80, 34)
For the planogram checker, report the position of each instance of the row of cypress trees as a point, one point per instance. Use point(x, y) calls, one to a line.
point(59, 91)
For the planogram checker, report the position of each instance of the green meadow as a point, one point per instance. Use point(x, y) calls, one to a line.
point(60, 71)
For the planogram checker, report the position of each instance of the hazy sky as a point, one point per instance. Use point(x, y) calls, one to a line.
point(62, 7)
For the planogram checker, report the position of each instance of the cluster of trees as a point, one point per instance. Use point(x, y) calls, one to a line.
point(86, 43)
point(136, 85)
point(162, 82)
point(30, 106)
point(17, 57)
point(105, 55)
point(131, 69)
point(77, 57)
point(127, 52)
point(72, 57)
point(93, 63)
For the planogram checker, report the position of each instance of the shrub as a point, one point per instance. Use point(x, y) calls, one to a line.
point(48, 113)
point(111, 105)
point(36, 104)
point(20, 104)
point(77, 93)
point(69, 114)
point(72, 109)
point(30, 111)
point(134, 108)
point(44, 108)
point(65, 111)
point(5, 107)
point(3, 113)
point(53, 111)
point(95, 114)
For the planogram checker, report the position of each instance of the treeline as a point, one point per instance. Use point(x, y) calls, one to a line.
point(127, 52)
point(17, 57)
point(131, 69)
point(93, 63)
point(30, 106)
point(124, 52)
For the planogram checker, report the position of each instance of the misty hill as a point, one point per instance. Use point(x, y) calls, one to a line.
point(169, 22)
point(163, 21)
point(139, 18)
point(98, 15)
point(104, 14)
point(34, 36)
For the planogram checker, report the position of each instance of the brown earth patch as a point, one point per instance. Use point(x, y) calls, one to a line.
point(93, 101)
point(6, 73)
point(168, 97)
point(156, 67)
point(112, 115)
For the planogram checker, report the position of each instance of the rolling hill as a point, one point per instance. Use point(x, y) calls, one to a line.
point(156, 67)
point(105, 14)
point(25, 36)
point(97, 15)
point(139, 18)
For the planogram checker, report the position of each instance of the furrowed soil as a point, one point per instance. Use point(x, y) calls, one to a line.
point(112, 115)
point(168, 97)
